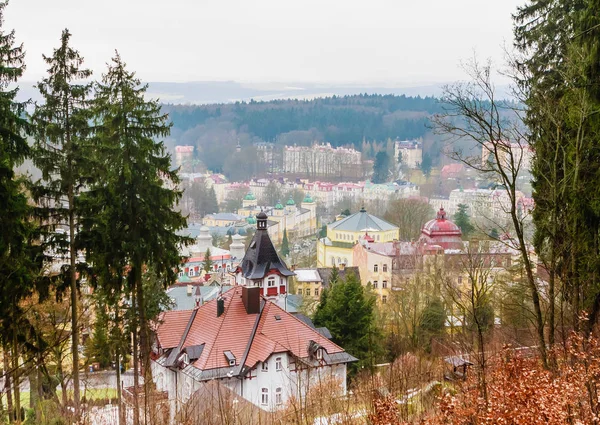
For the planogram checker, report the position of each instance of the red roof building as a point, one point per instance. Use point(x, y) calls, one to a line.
point(442, 232)
point(248, 344)
point(244, 340)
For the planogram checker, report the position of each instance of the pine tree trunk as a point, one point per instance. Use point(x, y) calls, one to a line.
point(7, 382)
point(144, 338)
point(74, 304)
point(136, 364)
point(15, 367)
point(121, 420)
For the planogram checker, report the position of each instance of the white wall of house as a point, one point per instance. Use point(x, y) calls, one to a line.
point(269, 388)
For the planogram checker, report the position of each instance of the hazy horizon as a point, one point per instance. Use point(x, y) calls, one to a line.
point(388, 43)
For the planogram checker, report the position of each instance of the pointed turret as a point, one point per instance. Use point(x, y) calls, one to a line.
point(261, 265)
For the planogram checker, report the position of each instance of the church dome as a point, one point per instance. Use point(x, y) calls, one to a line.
point(278, 206)
point(307, 199)
point(251, 220)
point(290, 201)
point(249, 197)
point(443, 232)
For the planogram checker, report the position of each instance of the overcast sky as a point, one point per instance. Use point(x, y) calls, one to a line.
point(332, 41)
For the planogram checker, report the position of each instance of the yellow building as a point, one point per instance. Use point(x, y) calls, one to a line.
point(342, 235)
point(221, 220)
point(375, 267)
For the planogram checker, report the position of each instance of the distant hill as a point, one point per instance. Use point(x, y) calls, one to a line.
point(350, 120)
point(340, 120)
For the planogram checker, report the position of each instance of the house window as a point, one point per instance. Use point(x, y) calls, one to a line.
point(375, 284)
point(300, 291)
point(384, 284)
point(264, 399)
point(265, 366)
point(385, 268)
point(180, 274)
point(278, 396)
point(316, 292)
point(307, 291)
point(191, 273)
point(375, 268)
point(278, 365)
point(320, 354)
point(271, 282)
point(384, 299)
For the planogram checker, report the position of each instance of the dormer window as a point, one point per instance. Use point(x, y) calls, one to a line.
point(271, 281)
point(185, 359)
point(230, 357)
point(319, 354)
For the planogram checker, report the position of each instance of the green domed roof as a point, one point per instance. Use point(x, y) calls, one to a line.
point(290, 201)
point(278, 206)
point(251, 220)
point(308, 199)
point(249, 197)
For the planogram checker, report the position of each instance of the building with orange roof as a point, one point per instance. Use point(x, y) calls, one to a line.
point(244, 340)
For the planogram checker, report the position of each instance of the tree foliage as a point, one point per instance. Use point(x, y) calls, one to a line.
point(203, 198)
point(62, 155)
point(558, 42)
point(285, 244)
point(132, 192)
point(381, 168)
point(348, 311)
point(463, 221)
point(409, 215)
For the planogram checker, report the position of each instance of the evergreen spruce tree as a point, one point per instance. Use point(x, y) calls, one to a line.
point(426, 164)
point(285, 245)
point(319, 316)
point(561, 88)
point(349, 314)
point(381, 167)
point(462, 220)
point(138, 176)
point(19, 257)
point(207, 265)
point(432, 321)
point(100, 348)
point(61, 126)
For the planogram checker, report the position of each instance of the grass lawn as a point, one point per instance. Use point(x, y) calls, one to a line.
point(90, 394)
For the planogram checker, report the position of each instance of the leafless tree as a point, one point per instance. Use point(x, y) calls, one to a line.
point(474, 113)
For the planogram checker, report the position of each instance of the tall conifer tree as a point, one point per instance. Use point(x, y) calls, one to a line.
point(61, 126)
point(285, 244)
point(18, 257)
point(140, 185)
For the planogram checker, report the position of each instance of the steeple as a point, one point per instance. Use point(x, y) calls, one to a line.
point(261, 221)
point(261, 265)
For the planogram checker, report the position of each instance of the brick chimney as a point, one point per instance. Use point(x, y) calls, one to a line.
point(251, 299)
point(220, 306)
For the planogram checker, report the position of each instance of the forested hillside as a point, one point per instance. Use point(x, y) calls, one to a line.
point(341, 121)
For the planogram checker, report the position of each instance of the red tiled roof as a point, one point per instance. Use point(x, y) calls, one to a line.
point(171, 326)
point(233, 330)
